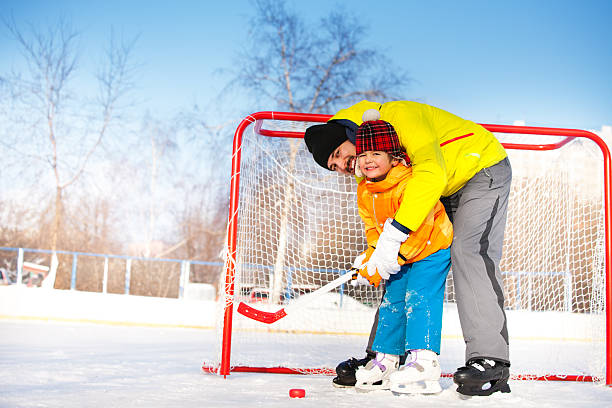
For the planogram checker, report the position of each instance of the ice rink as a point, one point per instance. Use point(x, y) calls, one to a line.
point(63, 364)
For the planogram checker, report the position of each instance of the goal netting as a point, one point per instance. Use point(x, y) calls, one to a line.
point(294, 226)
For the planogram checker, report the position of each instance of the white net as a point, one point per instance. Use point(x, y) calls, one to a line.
point(298, 228)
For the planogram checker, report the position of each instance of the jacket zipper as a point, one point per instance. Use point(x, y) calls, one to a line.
point(374, 210)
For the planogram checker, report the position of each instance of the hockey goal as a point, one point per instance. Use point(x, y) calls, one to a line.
point(293, 227)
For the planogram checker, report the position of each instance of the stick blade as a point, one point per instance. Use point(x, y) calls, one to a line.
point(260, 315)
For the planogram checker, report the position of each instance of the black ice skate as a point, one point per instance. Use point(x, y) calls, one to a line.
point(482, 376)
point(346, 371)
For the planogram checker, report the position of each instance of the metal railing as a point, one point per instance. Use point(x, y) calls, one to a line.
point(185, 266)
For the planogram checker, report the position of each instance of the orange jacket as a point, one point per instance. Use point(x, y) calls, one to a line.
point(380, 200)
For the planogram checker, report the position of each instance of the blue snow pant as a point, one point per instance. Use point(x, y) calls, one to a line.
point(410, 314)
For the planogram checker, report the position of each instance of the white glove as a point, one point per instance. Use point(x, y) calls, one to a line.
point(357, 264)
point(358, 261)
point(384, 258)
point(360, 281)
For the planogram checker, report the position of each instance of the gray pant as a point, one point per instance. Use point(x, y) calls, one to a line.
point(478, 212)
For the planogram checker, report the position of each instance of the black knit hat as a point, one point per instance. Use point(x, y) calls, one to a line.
point(322, 140)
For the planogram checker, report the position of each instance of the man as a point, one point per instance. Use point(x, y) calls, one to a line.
point(463, 165)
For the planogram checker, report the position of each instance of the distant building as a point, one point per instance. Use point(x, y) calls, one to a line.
point(606, 134)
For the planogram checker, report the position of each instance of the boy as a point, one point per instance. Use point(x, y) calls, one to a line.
point(410, 314)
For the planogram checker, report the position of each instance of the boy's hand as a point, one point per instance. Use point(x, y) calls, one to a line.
point(359, 261)
point(362, 259)
point(373, 279)
point(384, 259)
point(360, 270)
point(358, 279)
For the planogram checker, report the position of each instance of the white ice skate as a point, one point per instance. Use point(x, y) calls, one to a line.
point(375, 374)
point(421, 375)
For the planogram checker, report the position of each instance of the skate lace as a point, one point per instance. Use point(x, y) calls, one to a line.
point(378, 361)
point(379, 364)
point(477, 364)
point(413, 362)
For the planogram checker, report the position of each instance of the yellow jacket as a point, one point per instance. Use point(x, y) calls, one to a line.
point(446, 151)
point(380, 200)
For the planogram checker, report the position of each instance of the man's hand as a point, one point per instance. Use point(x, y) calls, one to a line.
point(384, 259)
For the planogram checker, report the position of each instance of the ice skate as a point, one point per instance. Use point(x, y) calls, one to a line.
point(345, 371)
point(375, 374)
point(420, 375)
point(482, 376)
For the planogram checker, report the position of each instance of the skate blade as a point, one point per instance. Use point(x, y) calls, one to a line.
point(420, 387)
point(363, 388)
point(485, 390)
point(342, 385)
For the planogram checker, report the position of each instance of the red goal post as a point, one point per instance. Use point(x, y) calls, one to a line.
point(258, 119)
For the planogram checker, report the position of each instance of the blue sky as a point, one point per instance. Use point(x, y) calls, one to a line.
point(546, 62)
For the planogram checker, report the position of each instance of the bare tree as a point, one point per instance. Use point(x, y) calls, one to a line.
point(161, 142)
point(312, 68)
point(181, 178)
point(309, 68)
point(202, 183)
point(53, 127)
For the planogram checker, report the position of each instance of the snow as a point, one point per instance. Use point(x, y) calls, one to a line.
point(45, 362)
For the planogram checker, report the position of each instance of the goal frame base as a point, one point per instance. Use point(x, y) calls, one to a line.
point(332, 372)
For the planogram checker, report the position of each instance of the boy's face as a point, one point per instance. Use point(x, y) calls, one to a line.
point(342, 159)
point(376, 164)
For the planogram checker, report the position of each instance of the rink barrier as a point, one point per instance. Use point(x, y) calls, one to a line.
point(184, 266)
point(522, 290)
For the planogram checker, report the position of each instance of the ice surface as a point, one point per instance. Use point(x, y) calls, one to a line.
point(55, 364)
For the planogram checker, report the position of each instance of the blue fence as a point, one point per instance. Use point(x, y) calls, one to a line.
point(522, 285)
point(185, 266)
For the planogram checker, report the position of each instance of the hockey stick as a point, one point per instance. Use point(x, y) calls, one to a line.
point(271, 317)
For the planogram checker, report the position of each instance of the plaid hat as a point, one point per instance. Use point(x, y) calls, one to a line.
point(380, 136)
point(322, 140)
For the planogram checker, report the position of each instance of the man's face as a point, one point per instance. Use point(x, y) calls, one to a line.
point(342, 159)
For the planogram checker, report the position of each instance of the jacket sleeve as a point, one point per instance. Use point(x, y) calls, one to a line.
point(417, 135)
